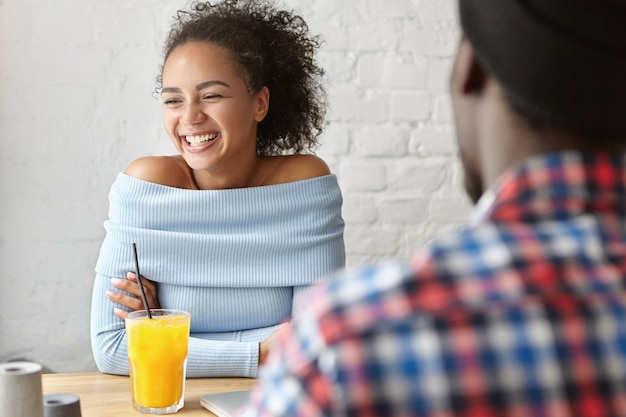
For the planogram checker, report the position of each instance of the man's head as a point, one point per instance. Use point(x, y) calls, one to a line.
point(557, 67)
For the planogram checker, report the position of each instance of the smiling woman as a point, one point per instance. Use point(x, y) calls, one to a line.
point(244, 219)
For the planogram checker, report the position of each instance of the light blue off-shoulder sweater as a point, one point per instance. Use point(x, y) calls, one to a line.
point(236, 259)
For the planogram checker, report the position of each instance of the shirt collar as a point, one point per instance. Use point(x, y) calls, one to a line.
point(553, 186)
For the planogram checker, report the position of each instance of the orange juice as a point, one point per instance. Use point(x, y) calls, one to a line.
point(157, 355)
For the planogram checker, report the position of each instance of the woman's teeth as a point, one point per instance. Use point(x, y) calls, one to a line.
point(200, 139)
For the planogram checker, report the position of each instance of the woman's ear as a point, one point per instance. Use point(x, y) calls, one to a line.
point(262, 104)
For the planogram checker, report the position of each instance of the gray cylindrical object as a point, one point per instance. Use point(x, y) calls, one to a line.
point(20, 389)
point(61, 405)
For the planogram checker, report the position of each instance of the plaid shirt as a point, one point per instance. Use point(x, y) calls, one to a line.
point(523, 313)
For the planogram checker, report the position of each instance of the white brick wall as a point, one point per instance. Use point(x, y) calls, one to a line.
point(76, 78)
point(391, 139)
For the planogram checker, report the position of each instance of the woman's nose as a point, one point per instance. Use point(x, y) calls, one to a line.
point(192, 114)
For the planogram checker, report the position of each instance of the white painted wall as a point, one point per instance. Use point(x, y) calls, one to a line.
point(76, 106)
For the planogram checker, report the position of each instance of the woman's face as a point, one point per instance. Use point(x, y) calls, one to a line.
point(208, 112)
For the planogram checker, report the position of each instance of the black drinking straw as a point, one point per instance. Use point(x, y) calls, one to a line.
point(143, 293)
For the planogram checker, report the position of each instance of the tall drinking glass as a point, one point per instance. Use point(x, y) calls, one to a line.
point(157, 357)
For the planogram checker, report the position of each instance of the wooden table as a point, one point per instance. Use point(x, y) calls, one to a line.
point(104, 395)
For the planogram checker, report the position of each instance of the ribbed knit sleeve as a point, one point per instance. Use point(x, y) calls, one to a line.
point(231, 257)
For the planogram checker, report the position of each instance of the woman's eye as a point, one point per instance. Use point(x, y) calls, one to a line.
point(171, 101)
point(211, 96)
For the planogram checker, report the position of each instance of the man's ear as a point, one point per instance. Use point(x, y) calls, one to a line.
point(262, 104)
point(468, 75)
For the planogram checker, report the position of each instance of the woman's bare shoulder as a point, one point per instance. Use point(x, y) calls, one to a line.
point(171, 171)
point(298, 167)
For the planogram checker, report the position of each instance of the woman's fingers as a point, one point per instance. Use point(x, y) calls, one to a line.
point(134, 300)
point(149, 288)
point(121, 313)
point(127, 285)
point(129, 301)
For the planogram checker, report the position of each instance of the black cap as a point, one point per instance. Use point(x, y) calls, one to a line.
point(564, 61)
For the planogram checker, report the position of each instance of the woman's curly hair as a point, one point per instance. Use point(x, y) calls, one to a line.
point(270, 48)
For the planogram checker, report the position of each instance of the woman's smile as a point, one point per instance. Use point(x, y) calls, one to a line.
point(199, 142)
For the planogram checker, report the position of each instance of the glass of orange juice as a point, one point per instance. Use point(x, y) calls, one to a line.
point(157, 358)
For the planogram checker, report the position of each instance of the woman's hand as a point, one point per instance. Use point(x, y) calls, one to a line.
point(134, 301)
point(265, 345)
point(264, 349)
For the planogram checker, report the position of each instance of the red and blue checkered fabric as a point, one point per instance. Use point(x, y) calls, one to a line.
point(523, 313)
